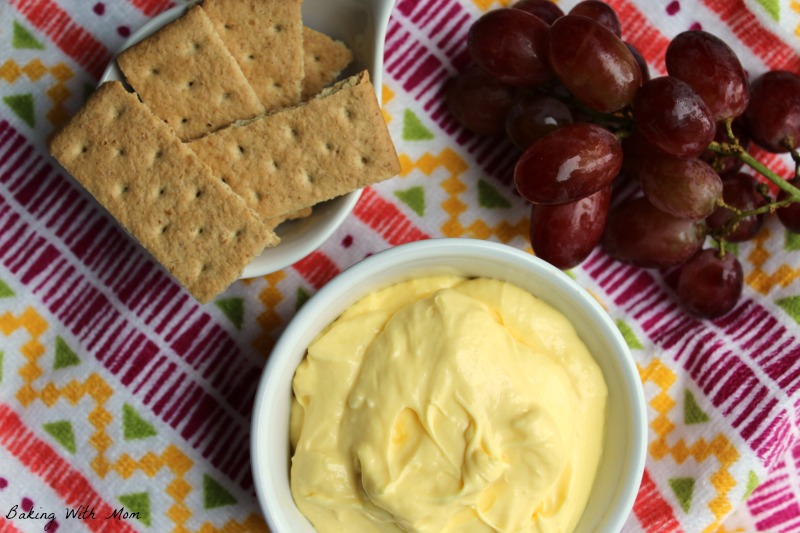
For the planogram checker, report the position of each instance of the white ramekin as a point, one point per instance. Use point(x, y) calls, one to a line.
point(625, 439)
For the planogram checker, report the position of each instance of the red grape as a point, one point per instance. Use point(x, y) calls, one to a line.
point(600, 12)
point(593, 63)
point(773, 116)
point(709, 285)
point(739, 190)
point(533, 117)
point(673, 117)
point(479, 102)
point(712, 69)
point(790, 214)
point(636, 150)
point(638, 233)
point(564, 235)
point(511, 45)
point(568, 164)
point(643, 68)
point(684, 188)
point(544, 9)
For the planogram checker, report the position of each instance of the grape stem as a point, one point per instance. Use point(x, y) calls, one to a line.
point(758, 166)
point(741, 215)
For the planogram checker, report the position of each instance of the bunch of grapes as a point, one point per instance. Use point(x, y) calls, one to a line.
point(580, 104)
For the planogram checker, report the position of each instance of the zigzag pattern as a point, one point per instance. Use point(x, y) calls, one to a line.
point(95, 387)
point(720, 447)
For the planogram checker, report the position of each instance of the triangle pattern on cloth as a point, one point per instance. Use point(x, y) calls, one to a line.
point(134, 426)
point(22, 106)
point(730, 247)
point(138, 503)
point(683, 487)
point(233, 308)
point(752, 484)
point(64, 355)
point(214, 494)
point(5, 290)
point(792, 241)
point(772, 7)
point(301, 298)
point(791, 305)
point(61, 431)
point(413, 198)
point(490, 198)
point(23, 39)
point(630, 337)
point(413, 129)
point(692, 413)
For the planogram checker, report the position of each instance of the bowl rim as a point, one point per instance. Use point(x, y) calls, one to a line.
point(281, 354)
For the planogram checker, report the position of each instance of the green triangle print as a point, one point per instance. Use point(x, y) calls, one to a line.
point(24, 39)
point(233, 308)
point(301, 298)
point(413, 129)
point(792, 241)
point(413, 198)
point(5, 290)
point(730, 247)
point(683, 487)
point(22, 106)
point(752, 484)
point(64, 355)
point(215, 495)
point(692, 413)
point(792, 306)
point(629, 336)
point(772, 7)
point(134, 426)
point(62, 432)
point(489, 198)
point(138, 504)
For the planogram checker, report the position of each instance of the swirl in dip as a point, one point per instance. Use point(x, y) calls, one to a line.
point(446, 404)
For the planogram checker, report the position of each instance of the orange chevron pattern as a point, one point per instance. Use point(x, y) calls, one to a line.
point(701, 450)
point(95, 387)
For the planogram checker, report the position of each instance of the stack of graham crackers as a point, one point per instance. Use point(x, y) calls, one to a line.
point(231, 131)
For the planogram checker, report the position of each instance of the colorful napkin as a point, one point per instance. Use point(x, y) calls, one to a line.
point(125, 406)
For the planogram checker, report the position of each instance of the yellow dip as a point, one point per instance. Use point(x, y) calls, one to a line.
point(445, 404)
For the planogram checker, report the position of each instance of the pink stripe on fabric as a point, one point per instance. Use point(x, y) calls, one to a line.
point(705, 354)
point(779, 518)
point(151, 8)
point(386, 219)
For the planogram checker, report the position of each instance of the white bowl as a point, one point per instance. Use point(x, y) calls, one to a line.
point(625, 440)
point(362, 26)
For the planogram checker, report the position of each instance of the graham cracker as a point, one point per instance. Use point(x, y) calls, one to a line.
point(160, 192)
point(187, 77)
point(333, 144)
point(266, 38)
point(324, 60)
point(295, 215)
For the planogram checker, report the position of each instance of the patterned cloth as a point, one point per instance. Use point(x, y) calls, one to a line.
point(121, 397)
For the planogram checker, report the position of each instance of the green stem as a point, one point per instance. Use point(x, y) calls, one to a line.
point(729, 131)
point(758, 166)
point(741, 215)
